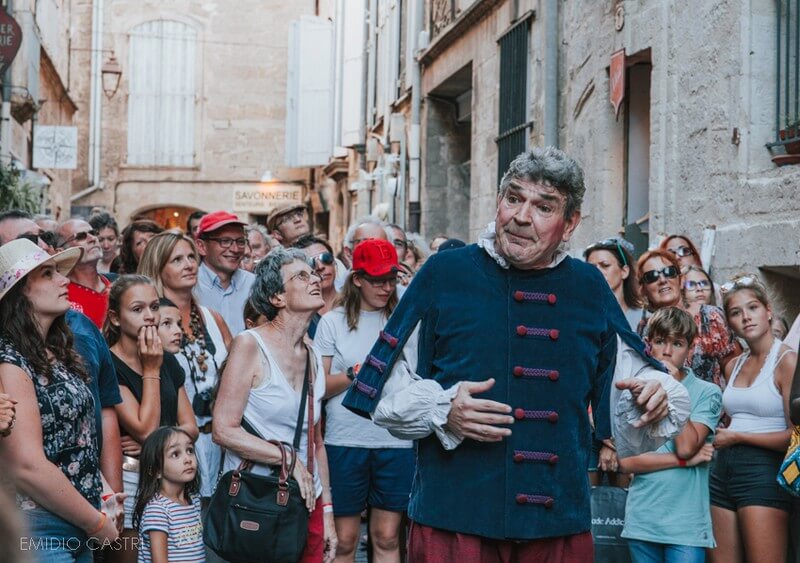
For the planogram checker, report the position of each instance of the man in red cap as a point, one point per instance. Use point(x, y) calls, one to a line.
point(221, 284)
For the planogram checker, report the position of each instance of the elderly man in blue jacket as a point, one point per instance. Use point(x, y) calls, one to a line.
point(516, 339)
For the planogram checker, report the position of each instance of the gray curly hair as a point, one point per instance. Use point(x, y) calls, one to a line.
point(550, 166)
point(269, 280)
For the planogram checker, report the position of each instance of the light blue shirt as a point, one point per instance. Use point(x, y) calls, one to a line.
point(228, 302)
point(672, 506)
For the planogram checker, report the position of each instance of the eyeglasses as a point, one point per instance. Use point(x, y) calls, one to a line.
point(400, 243)
point(324, 258)
point(380, 282)
point(652, 276)
point(47, 237)
point(740, 282)
point(227, 242)
point(80, 237)
point(306, 276)
point(681, 251)
point(692, 285)
point(291, 216)
point(611, 244)
point(357, 241)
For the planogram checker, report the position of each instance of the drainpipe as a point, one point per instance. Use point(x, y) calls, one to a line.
point(5, 109)
point(414, 207)
point(95, 103)
point(551, 73)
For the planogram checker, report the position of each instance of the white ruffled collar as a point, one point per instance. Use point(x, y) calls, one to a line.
point(486, 241)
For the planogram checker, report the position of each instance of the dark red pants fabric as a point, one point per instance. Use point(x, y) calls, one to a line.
point(315, 544)
point(431, 545)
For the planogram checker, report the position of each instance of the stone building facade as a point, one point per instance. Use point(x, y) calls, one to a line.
point(685, 154)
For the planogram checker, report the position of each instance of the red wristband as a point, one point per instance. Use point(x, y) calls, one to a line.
point(106, 497)
point(681, 462)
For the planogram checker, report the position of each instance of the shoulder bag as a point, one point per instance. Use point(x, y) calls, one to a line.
point(789, 473)
point(256, 518)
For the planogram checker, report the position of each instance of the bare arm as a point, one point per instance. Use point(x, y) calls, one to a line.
point(139, 420)
point(111, 454)
point(651, 461)
point(329, 530)
point(158, 546)
point(335, 383)
point(186, 419)
point(691, 439)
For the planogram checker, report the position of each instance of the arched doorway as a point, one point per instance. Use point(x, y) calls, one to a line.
point(169, 217)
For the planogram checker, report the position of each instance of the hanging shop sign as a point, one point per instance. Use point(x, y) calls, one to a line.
point(616, 80)
point(10, 39)
point(264, 197)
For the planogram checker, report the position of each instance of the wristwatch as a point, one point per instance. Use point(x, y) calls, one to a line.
point(350, 373)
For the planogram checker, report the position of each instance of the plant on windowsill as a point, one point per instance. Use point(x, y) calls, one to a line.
point(790, 137)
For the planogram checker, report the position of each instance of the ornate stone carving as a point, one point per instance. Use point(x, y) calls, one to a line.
point(441, 15)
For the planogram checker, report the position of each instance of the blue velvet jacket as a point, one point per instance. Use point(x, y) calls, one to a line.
point(548, 337)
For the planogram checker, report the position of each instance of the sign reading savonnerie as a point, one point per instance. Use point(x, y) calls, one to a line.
point(264, 197)
point(10, 39)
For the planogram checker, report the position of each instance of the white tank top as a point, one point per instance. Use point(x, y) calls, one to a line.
point(759, 408)
point(272, 410)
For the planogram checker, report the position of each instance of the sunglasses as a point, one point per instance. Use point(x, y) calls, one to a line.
point(324, 258)
point(691, 285)
point(652, 276)
point(80, 237)
point(47, 237)
point(681, 251)
point(737, 283)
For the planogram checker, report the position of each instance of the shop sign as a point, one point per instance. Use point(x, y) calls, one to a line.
point(264, 197)
point(616, 80)
point(10, 39)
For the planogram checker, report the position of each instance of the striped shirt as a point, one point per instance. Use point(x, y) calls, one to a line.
point(182, 525)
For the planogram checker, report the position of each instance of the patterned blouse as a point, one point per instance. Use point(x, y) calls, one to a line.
point(69, 437)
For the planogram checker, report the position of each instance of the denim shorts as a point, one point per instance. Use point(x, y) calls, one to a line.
point(746, 476)
point(380, 478)
point(53, 540)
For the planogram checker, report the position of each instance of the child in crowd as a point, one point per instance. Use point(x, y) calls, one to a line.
point(667, 516)
point(167, 511)
point(169, 328)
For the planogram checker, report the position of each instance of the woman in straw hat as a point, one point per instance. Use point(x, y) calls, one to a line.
point(52, 451)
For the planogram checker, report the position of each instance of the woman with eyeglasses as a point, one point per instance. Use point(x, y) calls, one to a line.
point(697, 288)
point(260, 391)
point(369, 466)
point(660, 286)
point(683, 249)
point(321, 257)
point(749, 510)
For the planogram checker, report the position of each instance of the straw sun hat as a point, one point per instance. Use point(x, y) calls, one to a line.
point(20, 257)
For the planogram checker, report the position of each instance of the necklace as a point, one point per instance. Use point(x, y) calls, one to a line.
point(196, 354)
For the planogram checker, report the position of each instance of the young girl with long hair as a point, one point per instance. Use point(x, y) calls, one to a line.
point(167, 512)
point(151, 381)
point(749, 510)
point(368, 466)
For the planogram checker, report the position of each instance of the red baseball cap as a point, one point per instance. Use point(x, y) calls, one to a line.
point(375, 258)
point(217, 220)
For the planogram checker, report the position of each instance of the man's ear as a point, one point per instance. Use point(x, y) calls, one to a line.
point(571, 224)
point(201, 247)
point(277, 235)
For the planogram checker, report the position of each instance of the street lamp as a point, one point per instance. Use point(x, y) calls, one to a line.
point(112, 72)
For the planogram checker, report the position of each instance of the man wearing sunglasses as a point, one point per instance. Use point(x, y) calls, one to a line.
point(16, 223)
point(515, 338)
point(221, 283)
point(88, 289)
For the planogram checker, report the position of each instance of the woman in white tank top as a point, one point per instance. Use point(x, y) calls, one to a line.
point(263, 380)
point(749, 510)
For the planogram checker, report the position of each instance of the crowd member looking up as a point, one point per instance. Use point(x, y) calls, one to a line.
point(288, 222)
point(134, 240)
point(167, 512)
point(749, 509)
point(52, 451)
point(667, 515)
point(368, 466)
point(222, 286)
point(614, 260)
point(683, 249)
point(260, 241)
point(171, 261)
point(321, 258)
point(88, 289)
point(151, 381)
point(437, 241)
point(263, 381)
point(660, 286)
point(193, 222)
point(108, 237)
point(697, 289)
point(91, 346)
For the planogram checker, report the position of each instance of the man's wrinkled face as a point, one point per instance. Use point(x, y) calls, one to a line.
point(77, 232)
point(530, 224)
point(12, 229)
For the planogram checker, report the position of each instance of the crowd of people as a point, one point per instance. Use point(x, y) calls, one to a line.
point(137, 366)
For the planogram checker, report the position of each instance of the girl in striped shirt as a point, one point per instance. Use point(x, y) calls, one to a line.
point(167, 511)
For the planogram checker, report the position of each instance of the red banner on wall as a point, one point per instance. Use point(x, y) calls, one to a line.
point(616, 80)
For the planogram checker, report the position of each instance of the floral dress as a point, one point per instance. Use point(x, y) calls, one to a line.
point(69, 436)
point(714, 342)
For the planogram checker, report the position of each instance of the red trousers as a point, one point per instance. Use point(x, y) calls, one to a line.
point(315, 544)
point(431, 545)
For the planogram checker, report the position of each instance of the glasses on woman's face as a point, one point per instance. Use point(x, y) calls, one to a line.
point(652, 276)
point(744, 281)
point(697, 285)
point(306, 277)
point(378, 283)
point(323, 258)
point(681, 251)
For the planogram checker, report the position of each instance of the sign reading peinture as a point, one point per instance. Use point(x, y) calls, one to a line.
point(262, 198)
point(10, 39)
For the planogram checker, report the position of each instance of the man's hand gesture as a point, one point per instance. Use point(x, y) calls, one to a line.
point(479, 419)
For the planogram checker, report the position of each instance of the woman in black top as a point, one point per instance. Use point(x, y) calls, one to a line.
point(151, 381)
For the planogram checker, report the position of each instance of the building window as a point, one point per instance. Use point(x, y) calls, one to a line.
point(512, 136)
point(786, 147)
point(161, 104)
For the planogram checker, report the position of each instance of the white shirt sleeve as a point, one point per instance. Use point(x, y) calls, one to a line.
point(624, 410)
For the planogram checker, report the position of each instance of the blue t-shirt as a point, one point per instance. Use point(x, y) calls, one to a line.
point(92, 347)
point(672, 506)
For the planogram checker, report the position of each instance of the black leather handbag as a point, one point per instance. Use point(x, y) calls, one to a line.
point(256, 518)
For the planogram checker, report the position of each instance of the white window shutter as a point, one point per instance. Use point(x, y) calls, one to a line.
point(309, 107)
point(353, 74)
